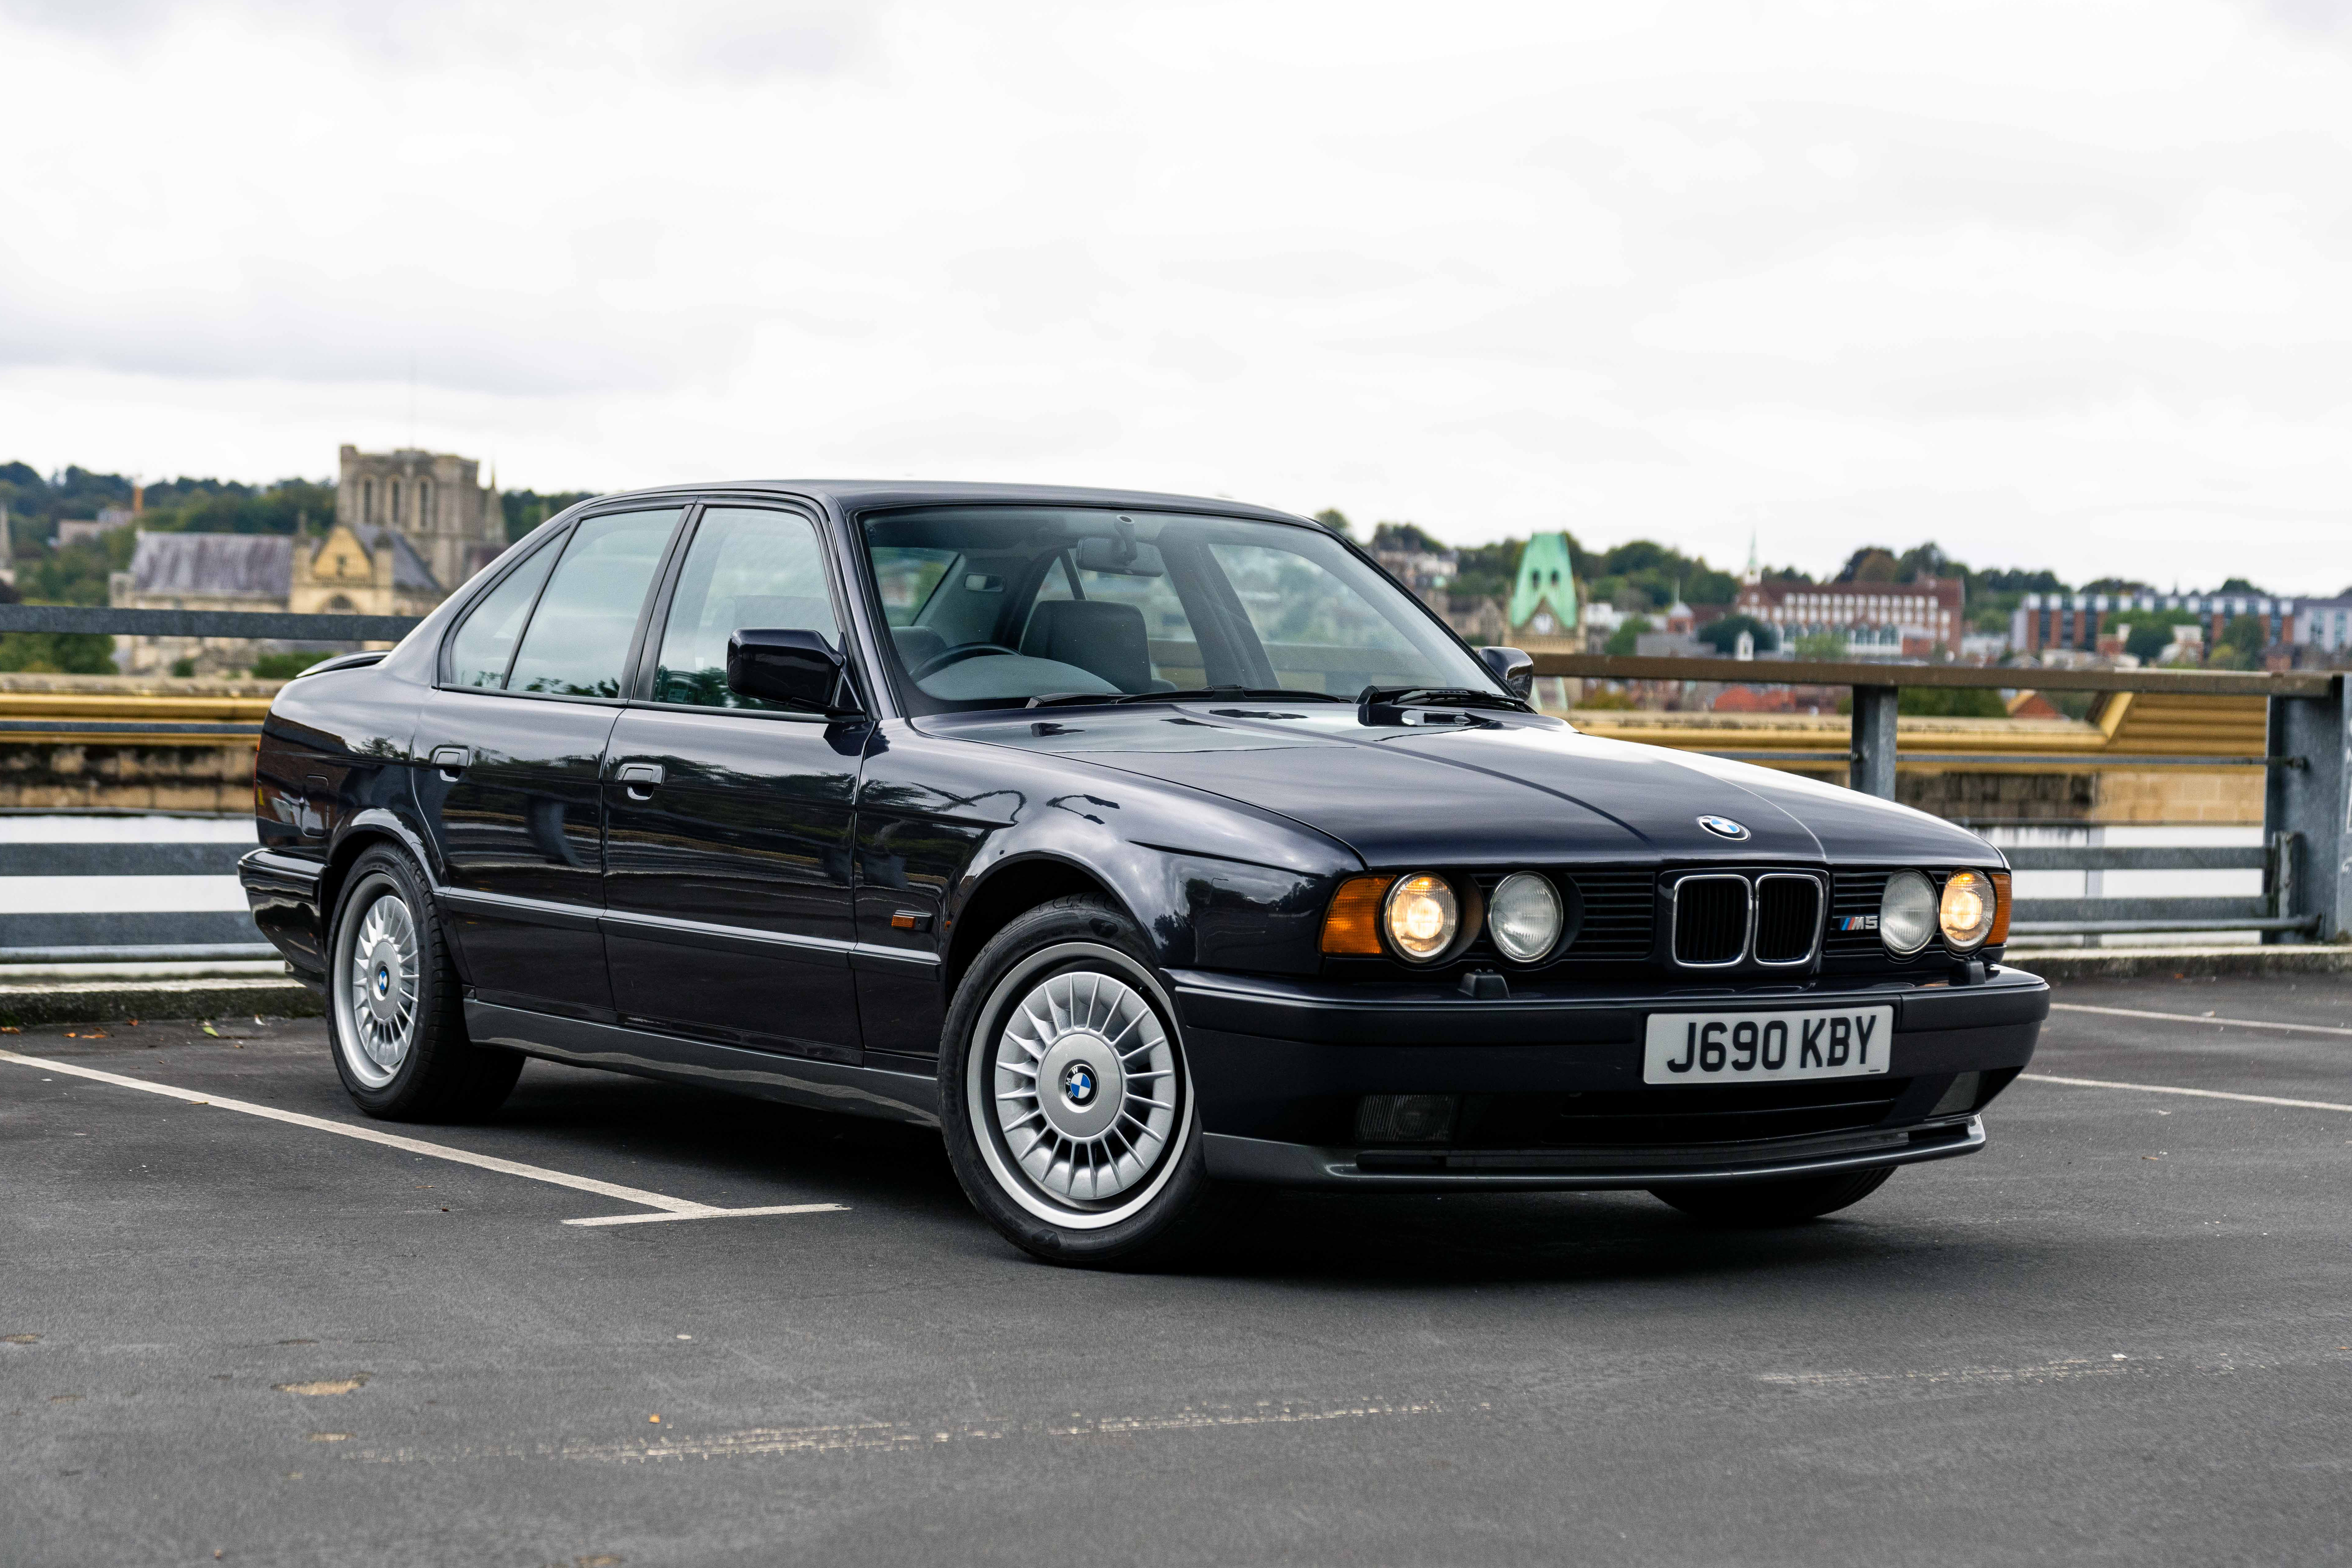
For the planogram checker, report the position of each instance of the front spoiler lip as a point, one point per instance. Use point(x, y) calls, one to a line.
point(1264, 1162)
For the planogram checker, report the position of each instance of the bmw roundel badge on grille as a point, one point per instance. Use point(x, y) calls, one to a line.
point(1723, 828)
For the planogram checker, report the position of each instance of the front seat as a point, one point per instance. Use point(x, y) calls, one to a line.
point(1099, 635)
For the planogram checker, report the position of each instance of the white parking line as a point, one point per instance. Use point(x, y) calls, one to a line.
point(2199, 1093)
point(2198, 1018)
point(671, 1208)
point(701, 1212)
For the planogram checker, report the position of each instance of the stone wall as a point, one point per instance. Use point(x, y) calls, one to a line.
point(55, 775)
point(62, 770)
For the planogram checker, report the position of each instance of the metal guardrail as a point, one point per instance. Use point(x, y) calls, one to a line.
point(2306, 761)
point(101, 936)
point(2307, 812)
point(266, 625)
point(1979, 676)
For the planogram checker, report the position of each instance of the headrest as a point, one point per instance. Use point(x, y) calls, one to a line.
point(1097, 635)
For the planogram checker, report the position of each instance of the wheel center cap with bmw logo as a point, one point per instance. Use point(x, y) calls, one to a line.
point(1723, 828)
point(1078, 1083)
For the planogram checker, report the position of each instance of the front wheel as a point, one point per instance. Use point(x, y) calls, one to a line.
point(1762, 1204)
point(1064, 1095)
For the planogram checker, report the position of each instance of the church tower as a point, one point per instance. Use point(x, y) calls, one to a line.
point(435, 500)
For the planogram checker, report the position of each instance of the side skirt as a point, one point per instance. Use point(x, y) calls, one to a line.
point(794, 1081)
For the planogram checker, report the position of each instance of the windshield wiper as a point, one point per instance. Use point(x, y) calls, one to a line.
point(1438, 697)
point(1189, 694)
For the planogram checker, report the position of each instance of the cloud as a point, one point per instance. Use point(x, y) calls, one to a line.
point(2050, 286)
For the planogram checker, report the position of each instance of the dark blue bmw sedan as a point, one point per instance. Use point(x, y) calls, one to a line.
point(1154, 850)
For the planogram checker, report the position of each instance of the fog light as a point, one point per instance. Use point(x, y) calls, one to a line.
point(1962, 1096)
point(1906, 912)
point(1966, 911)
point(1422, 917)
point(1405, 1118)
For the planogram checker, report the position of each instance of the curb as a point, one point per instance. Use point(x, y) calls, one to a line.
point(2181, 963)
point(103, 1001)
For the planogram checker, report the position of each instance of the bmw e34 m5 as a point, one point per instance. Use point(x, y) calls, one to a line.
point(1150, 847)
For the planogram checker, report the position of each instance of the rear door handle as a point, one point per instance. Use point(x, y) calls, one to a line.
point(451, 760)
point(640, 777)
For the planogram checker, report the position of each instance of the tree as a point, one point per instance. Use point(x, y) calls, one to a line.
point(2147, 633)
point(284, 666)
point(1871, 564)
point(2240, 585)
point(2241, 643)
point(57, 653)
point(1950, 702)
point(1626, 639)
point(1820, 646)
point(1723, 636)
point(1332, 518)
point(1925, 561)
point(1406, 536)
point(1488, 570)
point(525, 509)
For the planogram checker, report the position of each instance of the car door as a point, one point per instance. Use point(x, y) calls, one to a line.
point(728, 831)
point(512, 744)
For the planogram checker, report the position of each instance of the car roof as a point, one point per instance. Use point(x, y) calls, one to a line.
point(866, 495)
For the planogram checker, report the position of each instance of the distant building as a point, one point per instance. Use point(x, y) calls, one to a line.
point(198, 572)
point(80, 529)
point(2076, 622)
point(1884, 620)
point(355, 569)
point(434, 499)
point(2324, 624)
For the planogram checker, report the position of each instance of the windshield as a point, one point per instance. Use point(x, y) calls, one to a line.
point(990, 607)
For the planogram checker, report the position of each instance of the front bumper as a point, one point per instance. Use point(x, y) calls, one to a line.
point(1278, 1066)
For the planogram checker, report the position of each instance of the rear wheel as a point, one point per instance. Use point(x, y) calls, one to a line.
point(1064, 1096)
point(1761, 1204)
point(393, 1006)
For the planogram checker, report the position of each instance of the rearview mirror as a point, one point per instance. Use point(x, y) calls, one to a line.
point(1121, 557)
point(795, 668)
point(1513, 668)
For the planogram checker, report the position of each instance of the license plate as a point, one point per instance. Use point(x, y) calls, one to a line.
point(1767, 1048)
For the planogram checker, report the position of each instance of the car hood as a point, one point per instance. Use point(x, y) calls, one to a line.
point(1502, 789)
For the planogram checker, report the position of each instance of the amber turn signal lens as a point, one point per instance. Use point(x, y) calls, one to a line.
point(1999, 933)
point(1353, 925)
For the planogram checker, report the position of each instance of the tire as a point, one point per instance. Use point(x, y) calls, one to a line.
point(1758, 1206)
point(1103, 1170)
point(394, 1011)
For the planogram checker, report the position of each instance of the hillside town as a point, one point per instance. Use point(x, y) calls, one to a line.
point(397, 531)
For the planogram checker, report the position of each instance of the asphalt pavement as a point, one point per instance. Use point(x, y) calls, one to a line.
point(2123, 1333)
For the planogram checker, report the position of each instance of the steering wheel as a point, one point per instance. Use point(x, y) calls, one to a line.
point(938, 662)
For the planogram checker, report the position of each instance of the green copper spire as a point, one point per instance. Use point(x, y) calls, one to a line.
point(1546, 577)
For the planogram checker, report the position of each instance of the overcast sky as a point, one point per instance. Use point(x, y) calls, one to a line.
point(2050, 283)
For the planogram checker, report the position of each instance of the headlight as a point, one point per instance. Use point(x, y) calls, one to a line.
point(1422, 917)
point(1967, 912)
point(1906, 912)
point(1523, 916)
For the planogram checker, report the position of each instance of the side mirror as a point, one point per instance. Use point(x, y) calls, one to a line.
point(797, 668)
point(1513, 668)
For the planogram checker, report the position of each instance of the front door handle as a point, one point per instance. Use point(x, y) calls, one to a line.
point(451, 761)
point(640, 777)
